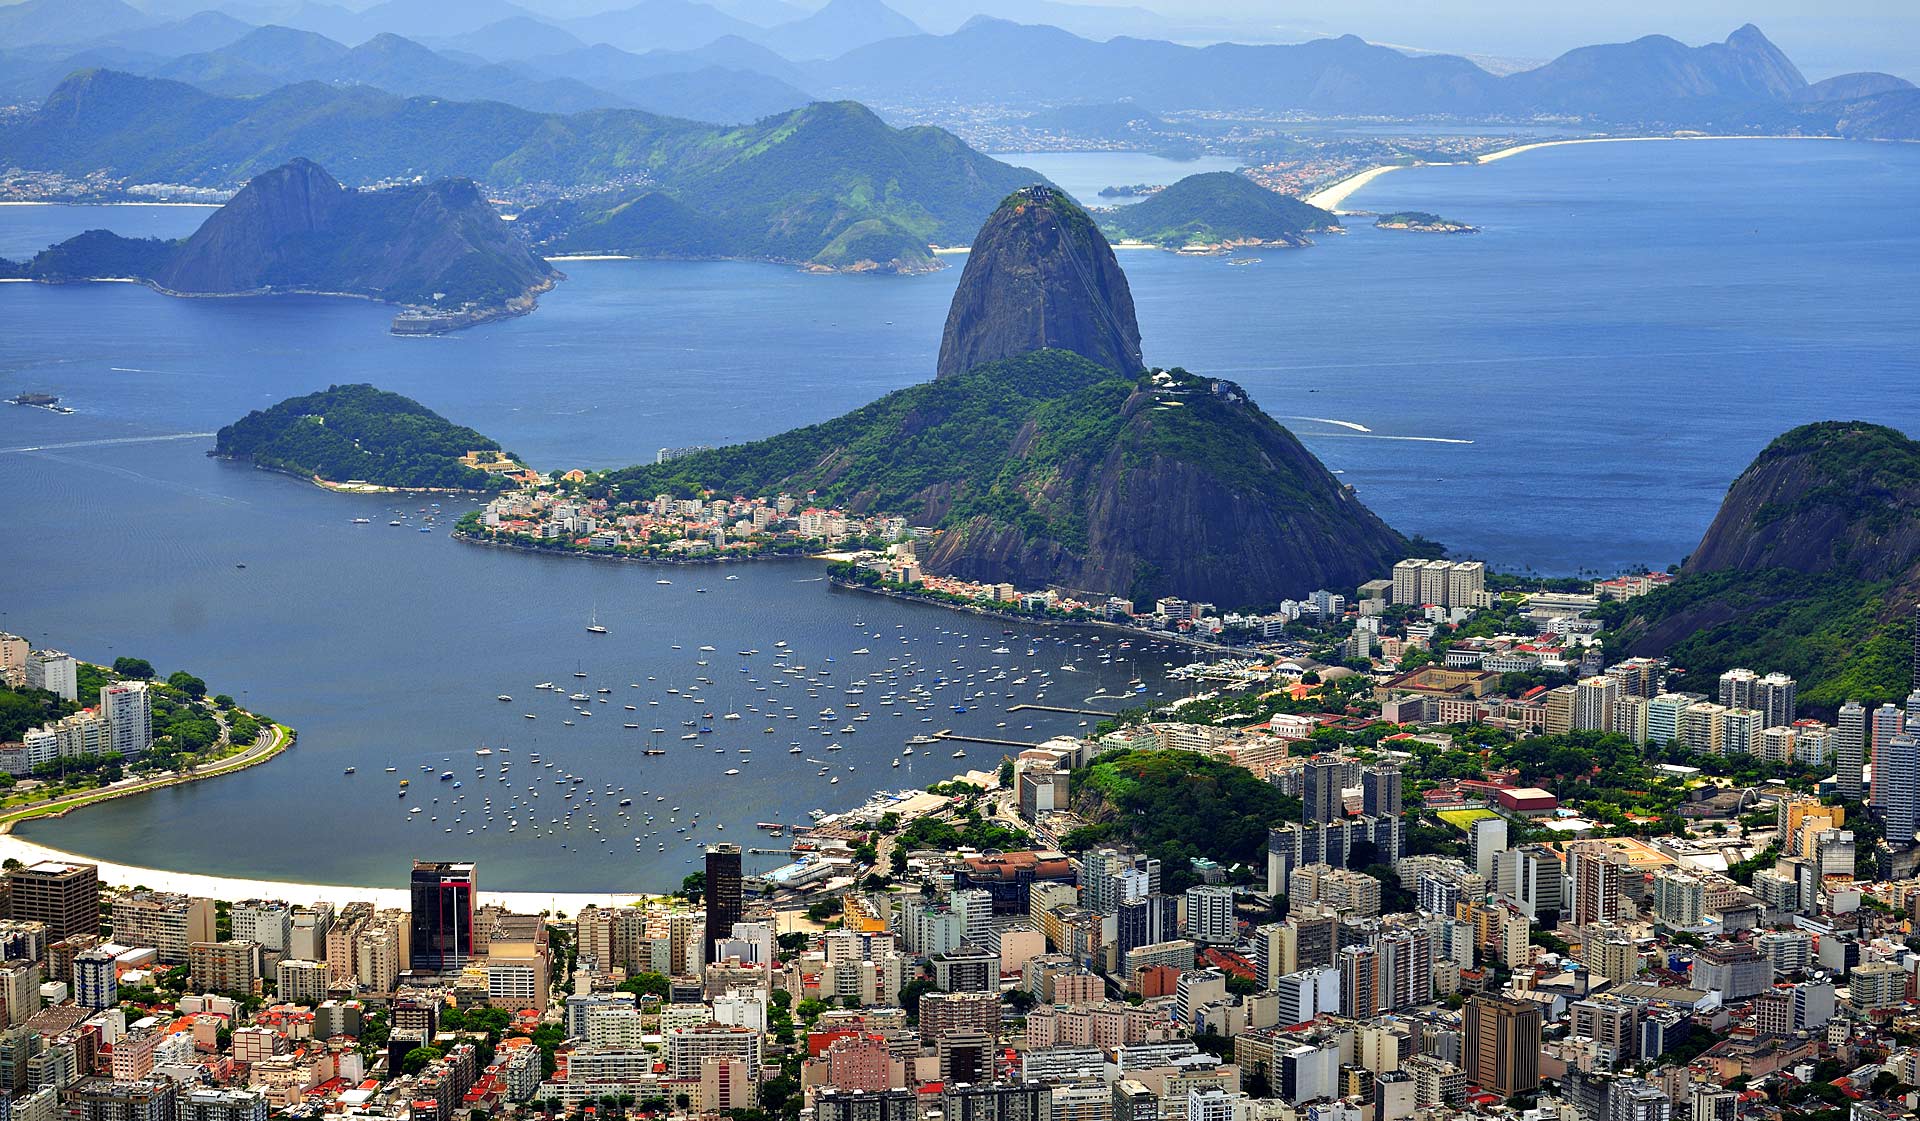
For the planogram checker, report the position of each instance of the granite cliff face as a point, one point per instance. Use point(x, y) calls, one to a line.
point(1811, 567)
point(1839, 497)
point(296, 229)
point(1190, 490)
point(1040, 275)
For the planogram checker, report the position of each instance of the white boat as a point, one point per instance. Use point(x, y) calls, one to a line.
point(732, 770)
point(663, 581)
point(503, 697)
point(593, 623)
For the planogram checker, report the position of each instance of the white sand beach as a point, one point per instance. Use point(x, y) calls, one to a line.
point(230, 888)
point(1331, 196)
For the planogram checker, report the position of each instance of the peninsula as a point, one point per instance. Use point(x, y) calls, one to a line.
point(73, 734)
point(358, 436)
point(1044, 454)
point(1216, 211)
point(438, 249)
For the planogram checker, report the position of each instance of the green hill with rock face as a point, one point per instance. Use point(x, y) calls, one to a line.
point(1217, 208)
point(361, 434)
point(1811, 567)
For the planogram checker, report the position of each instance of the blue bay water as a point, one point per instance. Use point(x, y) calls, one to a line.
point(1632, 325)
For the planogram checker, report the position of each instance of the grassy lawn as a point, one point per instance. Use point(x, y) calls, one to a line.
point(1463, 819)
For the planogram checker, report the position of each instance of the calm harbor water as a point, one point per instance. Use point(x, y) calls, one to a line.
point(1573, 388)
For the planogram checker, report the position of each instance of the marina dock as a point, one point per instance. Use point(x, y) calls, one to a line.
point(950, 734)
point(1061, 708)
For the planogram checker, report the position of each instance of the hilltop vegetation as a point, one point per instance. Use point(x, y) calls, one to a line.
point(1216, 208)
point(1176, 805)
point(829, 184)
point(357, 432)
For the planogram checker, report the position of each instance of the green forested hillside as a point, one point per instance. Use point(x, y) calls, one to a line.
point(1218, 207)
point(829, 183)
point(1830, 632)
point(357, 432)
point(949, 436)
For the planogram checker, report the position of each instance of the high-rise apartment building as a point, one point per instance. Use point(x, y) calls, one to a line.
point(1883, 724)
point(1380, 790)
point(1502, 1045)
point(1896, 781)
point(66, 897)
point(167, 921)
point(1593, 704)
point(55, 672)
point(1321, 782)
point(443, 914)
point(1849, 750)
point(127, 708)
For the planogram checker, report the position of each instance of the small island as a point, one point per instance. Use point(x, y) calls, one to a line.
point(1129, 191)
point(34, 400)
point(358, 438)
point(1422, 222)
point(1216, 212)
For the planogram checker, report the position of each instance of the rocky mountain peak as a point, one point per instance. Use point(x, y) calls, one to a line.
point(1040, 275)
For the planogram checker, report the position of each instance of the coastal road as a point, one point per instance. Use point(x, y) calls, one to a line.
point(276, 740)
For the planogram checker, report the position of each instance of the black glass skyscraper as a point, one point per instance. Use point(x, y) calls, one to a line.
point(722, 893)
point(443, 894)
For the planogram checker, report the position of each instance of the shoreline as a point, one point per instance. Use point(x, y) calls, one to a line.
point(238, 887)
point(1333, 194)
point(283, 738)
point(1043, 621)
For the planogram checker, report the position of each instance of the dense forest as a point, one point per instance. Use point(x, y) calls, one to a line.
point(357, 432)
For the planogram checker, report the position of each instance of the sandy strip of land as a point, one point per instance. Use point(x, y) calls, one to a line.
point(1330, 197)
point(230, 888)
point(1519, 148)
point(592, 257)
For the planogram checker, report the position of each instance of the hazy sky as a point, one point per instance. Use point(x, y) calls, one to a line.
point(1827, 37)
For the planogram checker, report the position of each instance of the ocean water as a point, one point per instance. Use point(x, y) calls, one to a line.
point(1572, 389)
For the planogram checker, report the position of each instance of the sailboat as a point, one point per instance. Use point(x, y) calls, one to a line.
point(593, 623)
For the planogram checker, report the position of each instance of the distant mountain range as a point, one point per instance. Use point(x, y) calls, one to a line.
point(1650, 79)
point(693, 59)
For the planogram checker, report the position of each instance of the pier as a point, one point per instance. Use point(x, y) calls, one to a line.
point(950, 734)
point(1061, 708)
